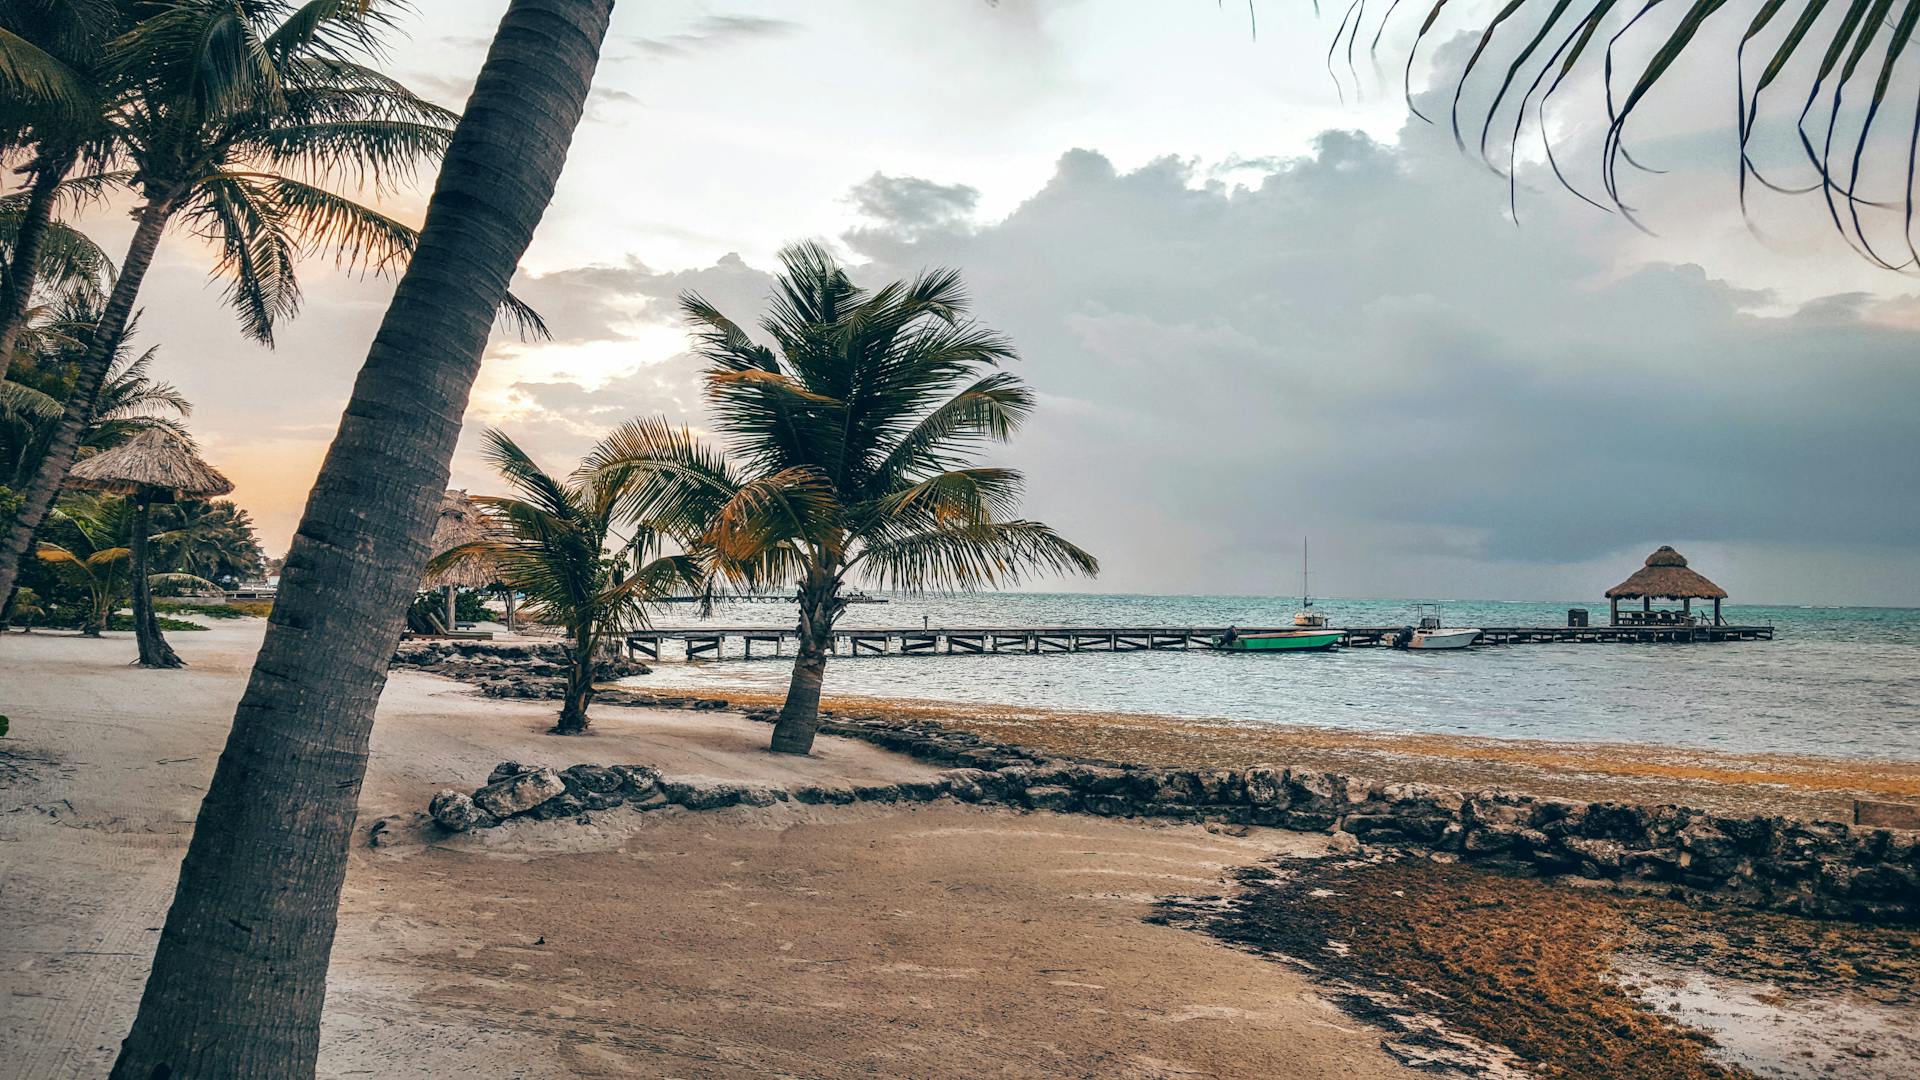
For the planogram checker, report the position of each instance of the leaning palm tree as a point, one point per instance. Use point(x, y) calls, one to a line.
point(231, 114)
point(240, 974)
point(552, 543)
point(852, 451)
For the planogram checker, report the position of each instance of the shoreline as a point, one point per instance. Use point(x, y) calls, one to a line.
point(1817, 788)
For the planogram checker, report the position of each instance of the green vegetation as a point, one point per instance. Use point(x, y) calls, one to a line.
point(849, 454)
point(551, 543)
point(244, 609)
point(125, 622)
point(232, 117)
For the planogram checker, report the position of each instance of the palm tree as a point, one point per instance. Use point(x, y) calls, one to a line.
point(551, 543)
point(229, 111)
point(51, 57)
point(96, 542)
point(130, 400)
point(240, 973)
point(854, 445)
point(91, 552)
point(213, 539)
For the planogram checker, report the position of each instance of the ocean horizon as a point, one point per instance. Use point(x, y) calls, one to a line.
point(1836, 681)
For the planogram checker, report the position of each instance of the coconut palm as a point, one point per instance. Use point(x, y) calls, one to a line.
point(852, 449)
point(210, 539)
point(552, 542)
point(130, 400)
point(232, 113)
point(52, 56)
point(240, 973)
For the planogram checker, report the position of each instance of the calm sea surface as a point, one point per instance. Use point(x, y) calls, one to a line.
point(1841, 682)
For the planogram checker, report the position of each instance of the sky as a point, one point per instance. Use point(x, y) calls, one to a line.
point(1258, 300)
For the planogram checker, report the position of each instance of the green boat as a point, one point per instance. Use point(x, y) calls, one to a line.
point(1277, 641)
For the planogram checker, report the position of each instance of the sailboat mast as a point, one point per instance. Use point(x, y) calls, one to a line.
point(1306, 594)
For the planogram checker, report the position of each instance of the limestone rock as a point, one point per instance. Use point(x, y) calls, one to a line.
point(455, 811)
point(519, 793)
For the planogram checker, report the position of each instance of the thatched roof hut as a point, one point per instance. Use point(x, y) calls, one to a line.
point(156, 460)
point(1666, 576)
point(460, 522)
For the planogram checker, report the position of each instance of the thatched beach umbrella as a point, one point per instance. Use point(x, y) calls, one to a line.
point(153, 466)
point(462, 522)
point(1666, 576)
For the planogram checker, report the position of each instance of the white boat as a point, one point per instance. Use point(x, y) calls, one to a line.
point(1430, 634)
point(1444, 637)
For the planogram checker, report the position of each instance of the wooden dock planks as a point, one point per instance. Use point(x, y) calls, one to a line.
point(709, 642)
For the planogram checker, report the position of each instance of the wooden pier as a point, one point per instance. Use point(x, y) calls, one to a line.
point(703, 642)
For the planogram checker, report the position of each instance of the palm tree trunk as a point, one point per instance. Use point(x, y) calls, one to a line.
point(573, 711)
point(154, 650)
point(82, 400)
point(800, 713)
point(239, 978)
point(16, 287)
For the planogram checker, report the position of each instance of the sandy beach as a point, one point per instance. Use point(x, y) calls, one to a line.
point(860, 941)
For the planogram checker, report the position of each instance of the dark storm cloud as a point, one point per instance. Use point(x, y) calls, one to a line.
point(1361, 345)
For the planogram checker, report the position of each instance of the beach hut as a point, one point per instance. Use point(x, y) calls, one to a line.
point(461, 522)
point(156, 465)
point(1665, 576)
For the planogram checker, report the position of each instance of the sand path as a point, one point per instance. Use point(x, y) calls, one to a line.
point(904, 941)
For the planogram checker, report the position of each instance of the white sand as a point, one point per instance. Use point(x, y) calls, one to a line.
point(917, 940)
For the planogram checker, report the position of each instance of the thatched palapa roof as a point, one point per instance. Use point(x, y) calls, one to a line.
point(460, 522)
point(157, 459)
point(1666, 577)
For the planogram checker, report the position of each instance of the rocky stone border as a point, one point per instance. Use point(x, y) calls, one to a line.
point(530, 669)
point(1825, 869)
point(1821, 868)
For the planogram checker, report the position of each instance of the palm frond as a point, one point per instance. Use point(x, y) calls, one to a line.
point(257, 253)
point(988, 411)
point(1836, 97)
point(989, 555)
point(956, 497)
point(21, 404)
point(30, 73)
point(663, 476)
point(791, 505)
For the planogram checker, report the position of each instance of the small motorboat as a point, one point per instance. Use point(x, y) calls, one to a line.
point(1444, 637)
point(1431, 634)
point(1277, 640)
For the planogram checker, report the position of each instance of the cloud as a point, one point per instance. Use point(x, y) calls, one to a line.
point(714, 32)
point(908, 205)
point(612, 302)
point(1361, 344)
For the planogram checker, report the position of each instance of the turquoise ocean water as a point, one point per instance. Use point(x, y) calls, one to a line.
point(1839, 682)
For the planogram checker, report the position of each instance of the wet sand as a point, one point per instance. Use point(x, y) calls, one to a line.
point(1807, 787)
